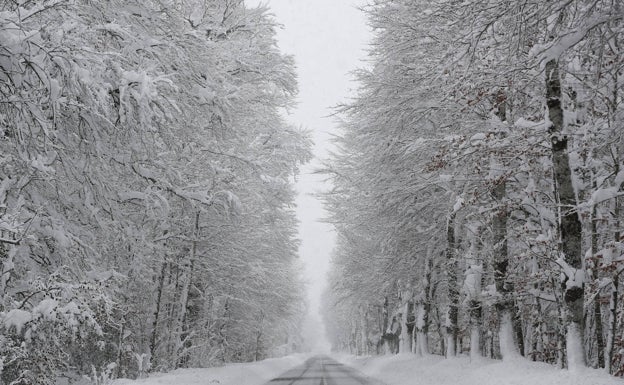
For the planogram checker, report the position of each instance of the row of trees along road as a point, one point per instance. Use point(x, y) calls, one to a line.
point(146, 188)
point(478, 184)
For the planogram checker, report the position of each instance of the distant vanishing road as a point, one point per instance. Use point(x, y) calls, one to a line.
point(323, 370)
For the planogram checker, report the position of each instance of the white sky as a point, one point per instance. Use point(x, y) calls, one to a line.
point(328, 39)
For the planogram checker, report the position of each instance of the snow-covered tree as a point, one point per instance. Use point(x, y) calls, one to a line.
point(145, 187)
point(474, 145)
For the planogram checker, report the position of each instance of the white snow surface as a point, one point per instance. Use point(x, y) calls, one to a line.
point(402, 369)
point(17, 318)
point(254, 373)
point(408, 369)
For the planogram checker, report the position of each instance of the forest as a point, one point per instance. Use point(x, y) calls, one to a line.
point(478, 184)
point(148, 170)
point(146, 188)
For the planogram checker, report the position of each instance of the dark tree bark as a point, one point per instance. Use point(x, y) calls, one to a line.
point(505, 306)
point(517, 329)
point(569, 225)
point(422, 310)
point(161, 284)
point(452, 328)
point(613, 303)
point(599, 330)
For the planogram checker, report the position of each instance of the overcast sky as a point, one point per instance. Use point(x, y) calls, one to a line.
point(328, 39)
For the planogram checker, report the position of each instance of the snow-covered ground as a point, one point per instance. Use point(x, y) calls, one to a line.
point(435, 370)
point(254, 373)
point(393, 370)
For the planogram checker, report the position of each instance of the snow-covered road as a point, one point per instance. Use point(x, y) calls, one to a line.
point(323, 370)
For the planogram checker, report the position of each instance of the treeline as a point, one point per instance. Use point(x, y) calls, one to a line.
point(478, 184)
point(146, 188)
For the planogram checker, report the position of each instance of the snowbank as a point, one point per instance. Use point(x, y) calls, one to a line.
point(435, 370)
point(254, 373)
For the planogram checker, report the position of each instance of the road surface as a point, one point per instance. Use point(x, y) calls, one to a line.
point(323, 370)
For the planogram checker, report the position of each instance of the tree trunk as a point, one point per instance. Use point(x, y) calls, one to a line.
point(536, 342)
point(405, 340)
point(120, 347)
point(421, 345)
point(258, 346)
point(475, 329)
point(613, 303)
point(385, 325)
point(365, 331)
point(258, 350)
point(505, 306)
point(472, 287)
point(183, 326)
point(501, 263)
point(452, 329)
point(159, 292)
point(517, 329)
point(570, 225)
point(422, 310)
point(600, 343)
